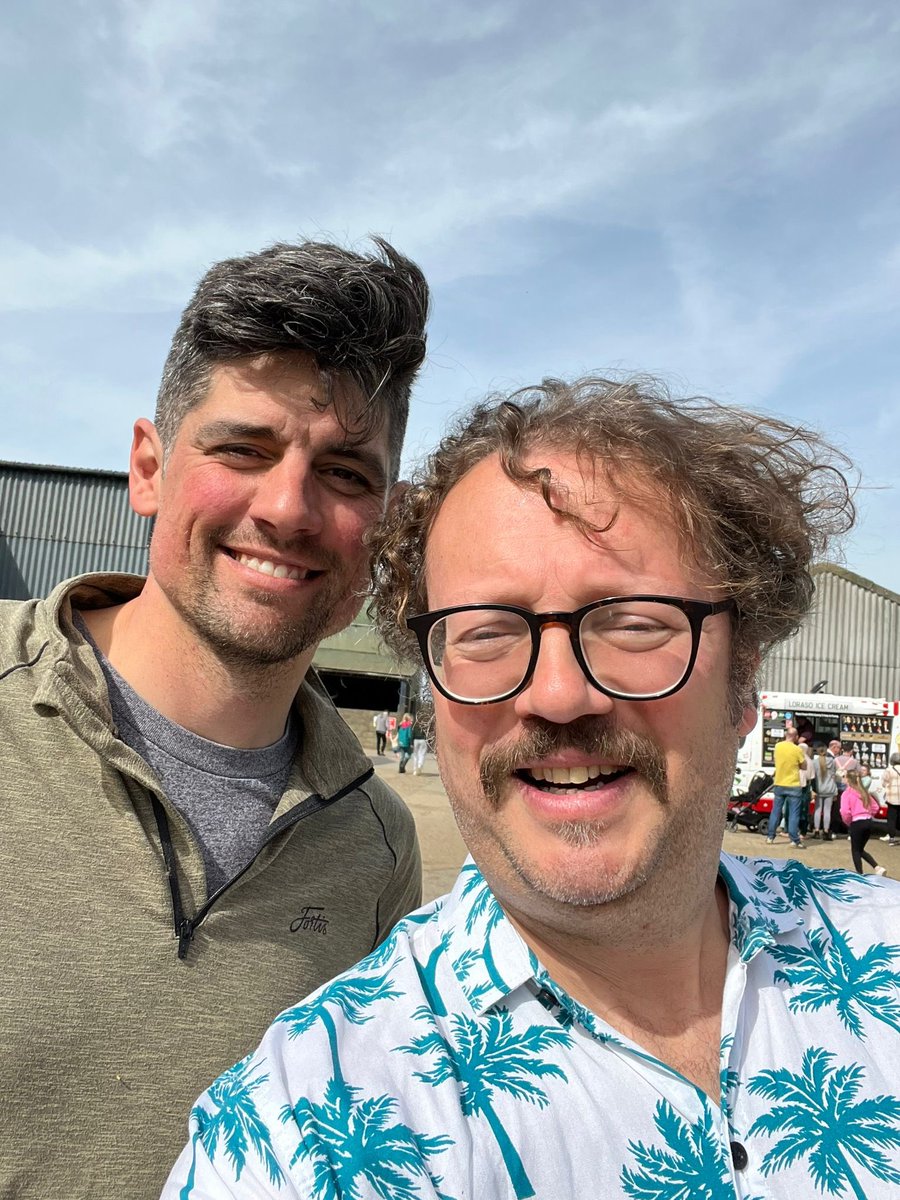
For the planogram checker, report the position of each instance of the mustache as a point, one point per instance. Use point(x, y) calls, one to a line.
point(598, 737)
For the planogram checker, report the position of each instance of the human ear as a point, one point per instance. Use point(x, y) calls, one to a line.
point(145, 465)
point(748, 720)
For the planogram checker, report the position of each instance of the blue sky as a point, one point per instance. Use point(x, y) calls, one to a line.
point(706, 190)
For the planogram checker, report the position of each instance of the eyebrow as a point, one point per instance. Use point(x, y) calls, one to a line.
point(224, 428)
point(365, 458)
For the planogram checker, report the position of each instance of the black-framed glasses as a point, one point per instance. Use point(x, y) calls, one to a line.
point(629, 647)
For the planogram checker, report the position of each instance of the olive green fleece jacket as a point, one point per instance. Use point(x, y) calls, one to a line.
point(107, 1036)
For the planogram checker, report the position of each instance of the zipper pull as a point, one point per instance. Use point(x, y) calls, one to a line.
point(185, 932)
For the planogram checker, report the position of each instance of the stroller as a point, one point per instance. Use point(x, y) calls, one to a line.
point(750, 808)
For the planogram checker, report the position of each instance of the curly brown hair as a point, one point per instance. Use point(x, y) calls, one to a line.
point(756, 500)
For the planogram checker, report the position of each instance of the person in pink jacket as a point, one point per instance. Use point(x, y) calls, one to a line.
point(857, 810)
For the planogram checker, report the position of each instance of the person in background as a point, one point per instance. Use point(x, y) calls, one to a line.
point(824, 785)
point(844, 761)
point(420, 745)
point(857, 809)
point(790, 760)
point(606, 1004)
point(380, 721)
point(890, 789)
point(405, 741)
point(183, 806)
point(806, 777)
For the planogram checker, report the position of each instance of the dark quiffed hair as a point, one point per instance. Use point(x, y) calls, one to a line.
point(756, 500)
point(361, 316)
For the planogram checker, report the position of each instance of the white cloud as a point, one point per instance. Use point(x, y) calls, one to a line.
point(743, 150)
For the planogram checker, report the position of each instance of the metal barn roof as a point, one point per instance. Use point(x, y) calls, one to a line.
point(60, 521)
point(851, 639)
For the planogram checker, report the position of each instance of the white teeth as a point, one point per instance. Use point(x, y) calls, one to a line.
point(265, 567)
point(571, 775)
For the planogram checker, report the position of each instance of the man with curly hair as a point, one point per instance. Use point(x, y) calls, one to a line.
point(605, 1004)
point(192, 835)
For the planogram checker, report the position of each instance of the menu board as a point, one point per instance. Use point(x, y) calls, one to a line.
point(867, 738)
point(773, 731)
point(864, 736)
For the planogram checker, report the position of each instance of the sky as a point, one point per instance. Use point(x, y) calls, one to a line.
point(707, 190)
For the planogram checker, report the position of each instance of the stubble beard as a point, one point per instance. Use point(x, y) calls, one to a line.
point(670, 841)
point(245, 646)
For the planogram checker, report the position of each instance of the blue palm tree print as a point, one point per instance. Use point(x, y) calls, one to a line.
point(817, 1112)
point(482, 904)
point(353, 995)
point(487, 1056)
point(235, 1121)
point(799, 883)
point(427, 972)
point(691, 1166)
point(729, 1082)
point(827, 972)
point(348, 1140)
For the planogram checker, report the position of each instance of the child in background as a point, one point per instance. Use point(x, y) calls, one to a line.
point(857, 810)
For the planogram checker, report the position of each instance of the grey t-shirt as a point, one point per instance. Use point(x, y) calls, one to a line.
point(226, 795)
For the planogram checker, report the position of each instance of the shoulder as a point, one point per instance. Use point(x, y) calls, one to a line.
point(373, 1002)
point(30, 636)
point(786, 887)
point(29, 628)
point(334, 1078)
point(19, 631)
point(389, 808)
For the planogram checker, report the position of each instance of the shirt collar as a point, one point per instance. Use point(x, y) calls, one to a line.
point(485, 952)
point(491, 960)
point(762, 896)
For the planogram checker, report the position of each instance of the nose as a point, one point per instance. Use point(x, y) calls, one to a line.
point(286, 499)
point(558, 690)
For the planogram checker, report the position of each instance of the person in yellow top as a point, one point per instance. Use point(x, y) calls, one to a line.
point(790, 761)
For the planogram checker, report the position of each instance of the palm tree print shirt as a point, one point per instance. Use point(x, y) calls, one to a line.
point(449, 1065)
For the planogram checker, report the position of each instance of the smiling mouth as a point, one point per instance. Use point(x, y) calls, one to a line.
point(565, 780)
point(274, 570)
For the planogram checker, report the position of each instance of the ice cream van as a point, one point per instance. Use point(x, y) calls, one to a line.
point(869, 729)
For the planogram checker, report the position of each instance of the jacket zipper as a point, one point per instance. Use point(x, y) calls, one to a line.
point(184, 925)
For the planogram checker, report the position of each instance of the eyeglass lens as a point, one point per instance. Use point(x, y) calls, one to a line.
point(636, 648)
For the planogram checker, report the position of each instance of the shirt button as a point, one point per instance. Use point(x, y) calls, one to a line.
point(739, 1156)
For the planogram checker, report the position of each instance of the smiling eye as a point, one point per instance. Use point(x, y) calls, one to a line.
point(493, 635)
point(237, 451)
point(347, 481)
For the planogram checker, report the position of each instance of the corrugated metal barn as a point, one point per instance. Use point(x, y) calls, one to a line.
point(61, 521)
point(851, 639)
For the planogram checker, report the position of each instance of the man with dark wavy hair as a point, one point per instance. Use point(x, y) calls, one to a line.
point(192, 836)
point(605, 1004)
